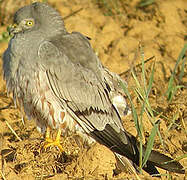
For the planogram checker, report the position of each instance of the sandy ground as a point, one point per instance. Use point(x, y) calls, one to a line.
point(116, 31)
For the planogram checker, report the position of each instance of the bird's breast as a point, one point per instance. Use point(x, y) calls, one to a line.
point(32, 92)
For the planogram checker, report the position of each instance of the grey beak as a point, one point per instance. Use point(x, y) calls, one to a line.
point(14, 29)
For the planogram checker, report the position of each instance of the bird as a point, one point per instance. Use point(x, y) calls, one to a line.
point(58, 80)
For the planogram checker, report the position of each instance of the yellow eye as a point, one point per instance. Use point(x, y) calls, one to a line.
point(30, 23)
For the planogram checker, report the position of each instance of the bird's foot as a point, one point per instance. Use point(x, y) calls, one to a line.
point(51, 142)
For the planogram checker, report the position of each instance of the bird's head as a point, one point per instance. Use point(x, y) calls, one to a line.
point(38, 17)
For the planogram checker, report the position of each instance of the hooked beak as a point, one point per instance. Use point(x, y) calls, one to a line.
point(14, 29)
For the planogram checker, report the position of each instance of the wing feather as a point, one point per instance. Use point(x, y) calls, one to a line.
point(78, 88)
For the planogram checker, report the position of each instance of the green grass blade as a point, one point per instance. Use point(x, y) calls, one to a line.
point(181, 55)
point(136, 81)
point(151, 80)
point(181, 74)
point(136, 121)
point(143, 68)
point(177, 159)
point(150, 142)
point(144, 3)
point(171, 87)
point(134, 113)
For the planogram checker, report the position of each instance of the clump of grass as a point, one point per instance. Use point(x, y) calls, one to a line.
point(172, 86)
point(142, 93)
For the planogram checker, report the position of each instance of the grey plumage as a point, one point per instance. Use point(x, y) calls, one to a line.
point(51, 72)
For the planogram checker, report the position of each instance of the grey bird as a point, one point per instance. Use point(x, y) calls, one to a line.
point(60, 82)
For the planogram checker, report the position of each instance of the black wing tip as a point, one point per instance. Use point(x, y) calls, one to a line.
point(165, 162)
point(113, 140)
point(174, 166)
point(151, 169)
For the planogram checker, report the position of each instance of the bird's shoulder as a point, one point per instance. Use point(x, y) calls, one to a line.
point(69, 43)
point(73, 46)
point(73, 40)
point(47, 50)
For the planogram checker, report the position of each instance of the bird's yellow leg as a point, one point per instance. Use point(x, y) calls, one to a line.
point(50, 142)
point(47, 136)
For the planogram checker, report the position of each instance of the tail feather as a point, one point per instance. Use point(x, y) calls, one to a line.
point(126, 145)
point(165, 162)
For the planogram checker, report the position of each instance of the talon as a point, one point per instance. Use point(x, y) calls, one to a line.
point(50, 142)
